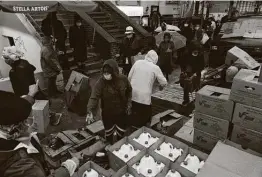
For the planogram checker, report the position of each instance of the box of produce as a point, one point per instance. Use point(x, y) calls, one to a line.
point(122, 151)
point(145, 136)
point(91, 169)
point(192, 164)
point(170, 149)
point(126, 171)
point(149, 164)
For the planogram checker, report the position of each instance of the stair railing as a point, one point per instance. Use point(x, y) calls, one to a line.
point(27, 20)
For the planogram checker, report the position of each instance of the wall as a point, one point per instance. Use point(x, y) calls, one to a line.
point(10, 25)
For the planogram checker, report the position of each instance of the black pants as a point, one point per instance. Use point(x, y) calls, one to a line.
point(141, 114)
point(115, 126)
point(52, 89)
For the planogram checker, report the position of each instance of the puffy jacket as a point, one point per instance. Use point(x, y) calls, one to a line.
point(49, 60)
point(115, 94)
point(142, 77)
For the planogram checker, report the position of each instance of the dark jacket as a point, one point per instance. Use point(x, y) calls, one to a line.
point(17, 163)
point(115, 95)
point(22, 76)
point(78, 41)
point(191, 64)
point(166, 58)
point(188, 33)
point(130, 47)
point(49, 60)
point(59, 31)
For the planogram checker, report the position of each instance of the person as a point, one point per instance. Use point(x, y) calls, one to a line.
point(22, 72)
point(191, 69)
point(163, 26)
point(50, 66)
point(21, 153)
point(198, 33)
point(114, 91)
point(166, 52)
point(155, 18)
point(187, 32)
point(225, 18)
point(78, 41)
point(53, 27)
point(130, 47)
point(142, 77)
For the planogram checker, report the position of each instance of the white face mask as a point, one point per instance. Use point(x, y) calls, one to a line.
point(78, 24)
point(186, 25)
point(108, 76)
point(197, 28)
point(129, 36)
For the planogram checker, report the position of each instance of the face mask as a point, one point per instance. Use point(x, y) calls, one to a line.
point(195, 54)
point(196, 28)
point(108, 76)
point(186, 25)
point(129, 36)
point(78, 24)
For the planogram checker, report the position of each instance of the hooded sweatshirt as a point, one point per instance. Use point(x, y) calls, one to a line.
point(142, 77)
point(115, 94)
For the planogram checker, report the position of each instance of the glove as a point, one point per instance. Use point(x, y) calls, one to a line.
point(129, 110)
point(89, 118)
point(33, 89)
point(71, 165)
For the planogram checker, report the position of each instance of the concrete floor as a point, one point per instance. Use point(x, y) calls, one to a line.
point(71, 121)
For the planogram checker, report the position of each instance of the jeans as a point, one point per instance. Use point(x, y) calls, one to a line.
point(52, 89)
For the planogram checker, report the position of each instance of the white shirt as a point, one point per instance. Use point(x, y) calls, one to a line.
point(142, 77)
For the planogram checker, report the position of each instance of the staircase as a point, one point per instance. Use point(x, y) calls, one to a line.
point(93, 63)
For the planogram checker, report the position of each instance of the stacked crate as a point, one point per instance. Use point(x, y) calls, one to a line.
point(212, 117)
point(171, 97)
point(247, 118)
point(170, 165)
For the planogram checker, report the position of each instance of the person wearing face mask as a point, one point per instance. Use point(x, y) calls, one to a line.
point(198, 33)
point(131, 46)
point(142, 77)
point(191, 69)
point(78, 42)
point(114, 91)
point(187, 32)
point(167, 53)
point(21, 153)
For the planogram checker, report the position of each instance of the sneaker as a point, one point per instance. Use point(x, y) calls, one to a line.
point(55, 119)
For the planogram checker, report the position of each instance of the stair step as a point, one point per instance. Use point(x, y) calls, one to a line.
point(92, 72)
point(118, 35)
point(100, 17)
point(105, 22)
point(97, 13)
point(109, 26)
point(120, 31)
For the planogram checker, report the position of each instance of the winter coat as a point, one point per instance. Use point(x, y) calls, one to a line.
point(193, 65)
point(49, 60)
point(115, 94)
point(22, 76)
point(58, 29)
point(142, 77)
point(165, 58)
point(130, 47)
point(188, 33)
point(78, 41)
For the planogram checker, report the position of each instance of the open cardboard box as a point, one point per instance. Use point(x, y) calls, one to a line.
point(77, 136)
point(175, 143)
point(137, 133)
point(177, 165)
point(115, 162)
point(91, 165)
point(126, 170)
point(157, 157)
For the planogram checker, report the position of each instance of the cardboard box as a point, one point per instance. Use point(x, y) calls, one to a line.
point(153, 133)
point(96, 127)
point(175, 143)
point(184, 172)
point(237, 55)
point(214, 101)
point(205, 140)
point(246, 89)
point(156, 156)
point(247, 138)
point(77, 136)
point(169, 124)
point(209, 124)
point(91, 165)
point(40, 114)
point(234, 161)
point(126, 170)
point(185, 134)
point(248, 117)
point(115, 162)
point(76, 82)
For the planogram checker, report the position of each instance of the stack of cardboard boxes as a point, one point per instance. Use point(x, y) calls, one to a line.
point(212, 117)
point(246, 92)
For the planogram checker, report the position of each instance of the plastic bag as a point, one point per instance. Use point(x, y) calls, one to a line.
point(60, 82)
point(204, 38)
